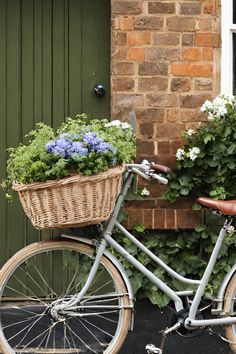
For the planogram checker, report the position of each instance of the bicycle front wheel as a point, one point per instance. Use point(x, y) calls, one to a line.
point(47, 273)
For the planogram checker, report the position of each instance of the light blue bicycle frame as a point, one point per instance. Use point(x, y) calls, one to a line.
point(107, 240)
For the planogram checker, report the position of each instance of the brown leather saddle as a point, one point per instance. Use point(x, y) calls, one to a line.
point(226, 207)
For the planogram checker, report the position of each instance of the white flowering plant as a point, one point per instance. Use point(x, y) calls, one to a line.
point(77, 145)
point(206, 164)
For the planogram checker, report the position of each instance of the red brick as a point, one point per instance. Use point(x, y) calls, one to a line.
point(150, 114)
point(128, 101)
point(148, 23)
point(153, 84)
point(126, 23)
point(161, 7)
point(205, 24)
point(159, 100)
point(170, 219)
point(207, 40)
point(124, 68)
point(180, 85)
point(168, 130)
point(163, 147)
point(203, 84)
point(178, 24)
point(145, 147)
point(193, 100)
point(172, 115)
point(119, 39)
point(207, 54)
point(192, 69)
point(123, 84)
point(146, 130)
point(192, 116)
point(166, 38)
point(126, 7)
point(149, 218)
point(204, 39)
point(191, 54)
point(190, 8)
point(153, 68)
point(159, 53)
point(181, 218)
point(136, 54)
point(159, 219)
point(210, 8)
point(135, 217)
point(138, 38)
point(119, 53)
point(188, 39)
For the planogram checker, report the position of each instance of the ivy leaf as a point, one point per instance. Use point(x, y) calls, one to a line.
point(196, 206)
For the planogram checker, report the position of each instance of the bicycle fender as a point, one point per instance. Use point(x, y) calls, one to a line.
point(113, 259)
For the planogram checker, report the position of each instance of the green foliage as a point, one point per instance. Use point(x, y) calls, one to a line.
point(187, 252)
point(38, 160)
point(206, 164)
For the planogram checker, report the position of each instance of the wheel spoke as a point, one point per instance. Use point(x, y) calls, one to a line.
point(40, 278)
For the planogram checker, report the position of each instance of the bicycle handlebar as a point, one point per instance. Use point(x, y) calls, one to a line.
point(148, 170)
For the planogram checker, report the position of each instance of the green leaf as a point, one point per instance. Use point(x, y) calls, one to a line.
point(196, 206)
point(184, 191)
point(200, 228)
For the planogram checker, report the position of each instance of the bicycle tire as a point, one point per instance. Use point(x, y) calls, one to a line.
point(63, 333)
point(230, 309)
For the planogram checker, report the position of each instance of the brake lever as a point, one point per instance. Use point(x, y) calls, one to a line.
point(161, 179)
point(143, 175)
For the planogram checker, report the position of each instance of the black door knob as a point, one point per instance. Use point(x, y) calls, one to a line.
point(99, 90)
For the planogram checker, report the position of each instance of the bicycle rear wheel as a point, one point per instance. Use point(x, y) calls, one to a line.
point(230, 309)
point(47, 272)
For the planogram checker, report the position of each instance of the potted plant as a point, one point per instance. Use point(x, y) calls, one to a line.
point(70, 176)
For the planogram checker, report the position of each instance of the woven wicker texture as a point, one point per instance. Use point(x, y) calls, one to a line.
point(72, 201)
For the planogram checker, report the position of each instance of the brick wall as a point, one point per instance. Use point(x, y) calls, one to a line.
point(165, 64)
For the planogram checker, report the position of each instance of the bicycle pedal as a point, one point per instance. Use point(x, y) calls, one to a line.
point(151, 349)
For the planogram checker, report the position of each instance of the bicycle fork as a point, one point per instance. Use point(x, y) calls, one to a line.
point(65, 305)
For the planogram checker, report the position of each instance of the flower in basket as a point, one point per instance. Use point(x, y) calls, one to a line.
point(206, 163)
point(80, 145)
point(70, 176)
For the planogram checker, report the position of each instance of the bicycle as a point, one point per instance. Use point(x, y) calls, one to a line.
point(86, 306)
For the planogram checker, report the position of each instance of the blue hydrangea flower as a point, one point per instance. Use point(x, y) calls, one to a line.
point(78, 148)
point(50, 146)
point(89, 138)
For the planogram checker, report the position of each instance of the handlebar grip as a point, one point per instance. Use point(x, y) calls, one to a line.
point(161, 168)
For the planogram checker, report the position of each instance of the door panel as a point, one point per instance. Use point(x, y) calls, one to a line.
point(52, 53)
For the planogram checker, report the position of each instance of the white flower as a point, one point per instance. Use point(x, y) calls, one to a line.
point(231, 229)
point(219, 101)
point(210, 117)
point(190, 132)
point(145, 192)
point(206, 106)
point(125, 125)
point(180, 154)
point(114, 123)
point(193, 153)
point(118, 123)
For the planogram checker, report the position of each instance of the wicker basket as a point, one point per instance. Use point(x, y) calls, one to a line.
point(72, 201)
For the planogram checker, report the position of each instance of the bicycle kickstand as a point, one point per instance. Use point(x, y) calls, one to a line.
point(152, 349)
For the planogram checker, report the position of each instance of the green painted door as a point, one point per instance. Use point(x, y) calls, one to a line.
point(52, 53)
